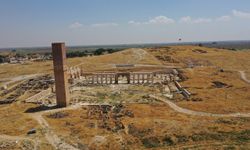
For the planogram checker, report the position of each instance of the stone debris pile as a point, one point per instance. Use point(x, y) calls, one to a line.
point(110, 117)
point(34, 85)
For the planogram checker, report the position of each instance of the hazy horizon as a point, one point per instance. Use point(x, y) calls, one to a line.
point(126, 44)
point(116, 22)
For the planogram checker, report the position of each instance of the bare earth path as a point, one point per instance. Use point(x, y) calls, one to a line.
point(197, 113)
point(18, 78)
point(243, 76)
point(51, 137)
point(19, 138)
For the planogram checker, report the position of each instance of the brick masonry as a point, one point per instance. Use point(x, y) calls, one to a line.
point(61, 75)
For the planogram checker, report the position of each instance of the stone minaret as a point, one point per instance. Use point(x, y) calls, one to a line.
point(61, 75)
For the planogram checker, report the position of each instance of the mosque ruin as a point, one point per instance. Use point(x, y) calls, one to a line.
point(167, 75)
point(74, 75)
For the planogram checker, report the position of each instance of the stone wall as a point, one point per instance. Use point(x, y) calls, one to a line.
point(115, 78)
point(39, 96)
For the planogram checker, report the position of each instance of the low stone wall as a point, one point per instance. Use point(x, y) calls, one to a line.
point(38, 96)
point(131, 77)
point(184, 92)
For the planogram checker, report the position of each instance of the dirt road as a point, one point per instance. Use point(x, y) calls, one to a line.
point(197, 113)
point(51, 137)
point(18, 78)
point(243, 76)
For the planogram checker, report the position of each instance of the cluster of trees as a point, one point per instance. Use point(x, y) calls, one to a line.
point(102, 51)
point(99, 51)
point(76, 54)
point(2, 58)
point(70, 54)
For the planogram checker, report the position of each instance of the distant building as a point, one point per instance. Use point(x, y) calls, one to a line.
point(88, 54)
point(12, 60)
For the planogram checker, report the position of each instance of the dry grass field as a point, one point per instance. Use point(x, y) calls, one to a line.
point(95, 63)
point(201, 67)
point(210, 74)
point(152, 126)
point(14, 121)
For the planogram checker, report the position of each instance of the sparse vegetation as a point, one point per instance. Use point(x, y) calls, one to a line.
point(97, 52)
point(133, 120)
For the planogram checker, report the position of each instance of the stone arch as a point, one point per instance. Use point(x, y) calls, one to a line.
point(126, 75)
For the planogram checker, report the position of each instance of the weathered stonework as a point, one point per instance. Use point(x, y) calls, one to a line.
point(61, 74)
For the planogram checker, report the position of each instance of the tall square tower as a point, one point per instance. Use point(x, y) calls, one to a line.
point(61, 75)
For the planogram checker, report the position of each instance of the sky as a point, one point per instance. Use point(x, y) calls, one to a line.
point(28, 23)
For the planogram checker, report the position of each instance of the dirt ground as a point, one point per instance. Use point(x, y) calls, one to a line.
point(150, 126)
point(14, 121)
point(114, 94)
point(210, 75)
point(234, 96)
point(203, 68)
point(14, 126)
point(94, 63)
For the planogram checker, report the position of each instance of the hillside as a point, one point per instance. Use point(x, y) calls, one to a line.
point(127, 116)
point(203, 68)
